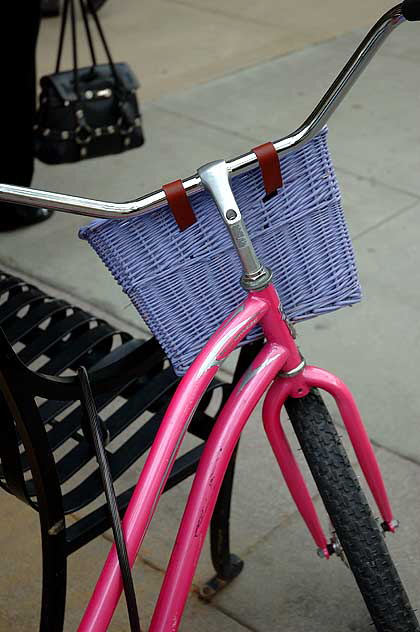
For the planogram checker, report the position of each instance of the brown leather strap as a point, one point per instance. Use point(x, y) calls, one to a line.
point(270, 167)
point(179, 204)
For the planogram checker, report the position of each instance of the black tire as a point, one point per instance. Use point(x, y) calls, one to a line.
point(358, 532)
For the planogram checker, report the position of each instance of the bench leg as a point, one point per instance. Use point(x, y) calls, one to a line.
point(227, 565)
point(54, 578)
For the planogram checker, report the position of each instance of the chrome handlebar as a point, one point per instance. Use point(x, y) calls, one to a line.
point(313, 124)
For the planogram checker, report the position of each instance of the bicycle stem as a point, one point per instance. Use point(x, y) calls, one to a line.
point(313, 124)
point(215, 179)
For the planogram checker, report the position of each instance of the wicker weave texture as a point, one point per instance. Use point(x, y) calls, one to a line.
point(185, 283)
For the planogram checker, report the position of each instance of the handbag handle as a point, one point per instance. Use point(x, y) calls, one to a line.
point(88, 32)
point(98, 25)
point(63, 27)
point(62, 34)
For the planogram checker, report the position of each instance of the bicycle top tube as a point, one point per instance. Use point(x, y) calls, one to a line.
point(316, 120)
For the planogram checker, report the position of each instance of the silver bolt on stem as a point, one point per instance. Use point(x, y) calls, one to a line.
point(215, 179)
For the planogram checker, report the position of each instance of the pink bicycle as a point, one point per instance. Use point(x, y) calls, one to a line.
point(181, 283)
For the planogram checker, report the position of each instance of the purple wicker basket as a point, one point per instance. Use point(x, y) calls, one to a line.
point(185, 283)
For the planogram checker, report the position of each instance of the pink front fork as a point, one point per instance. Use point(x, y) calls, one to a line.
point(273, 404)
point(315, 377)
point(300, 386)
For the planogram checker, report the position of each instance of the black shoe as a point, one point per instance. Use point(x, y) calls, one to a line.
point(14, 216)
point(50, 8)
point(97, 4)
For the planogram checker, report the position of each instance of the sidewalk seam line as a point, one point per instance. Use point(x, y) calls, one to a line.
point(252, 139)
point(405, 457)
point(68, 295)
point(103, 313)
point(193, 589)
point(384, 221)
point(374, 180)
point(231, 16)
point(203, 123)
point(233, 617)
point(252, 66)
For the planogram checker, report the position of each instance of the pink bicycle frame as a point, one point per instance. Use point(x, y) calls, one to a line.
point(280, 364)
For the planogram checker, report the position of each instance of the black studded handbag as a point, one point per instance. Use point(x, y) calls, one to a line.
point(86, 112)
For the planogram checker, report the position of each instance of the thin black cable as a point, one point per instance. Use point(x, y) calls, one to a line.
point(130, 596)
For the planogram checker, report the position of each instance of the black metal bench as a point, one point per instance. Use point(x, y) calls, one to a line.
point(45, 440)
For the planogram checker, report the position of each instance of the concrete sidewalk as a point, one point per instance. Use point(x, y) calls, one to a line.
point(240, 88)
point(175, 44)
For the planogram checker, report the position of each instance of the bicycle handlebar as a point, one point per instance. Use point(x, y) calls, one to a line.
point(407, 10)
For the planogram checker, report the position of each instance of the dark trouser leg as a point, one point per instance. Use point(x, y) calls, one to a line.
point(19, 99)
point(19, 28)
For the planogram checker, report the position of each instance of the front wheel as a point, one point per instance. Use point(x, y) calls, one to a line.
point(358, 533)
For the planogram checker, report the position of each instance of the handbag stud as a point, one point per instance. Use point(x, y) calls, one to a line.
point(105, 93)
